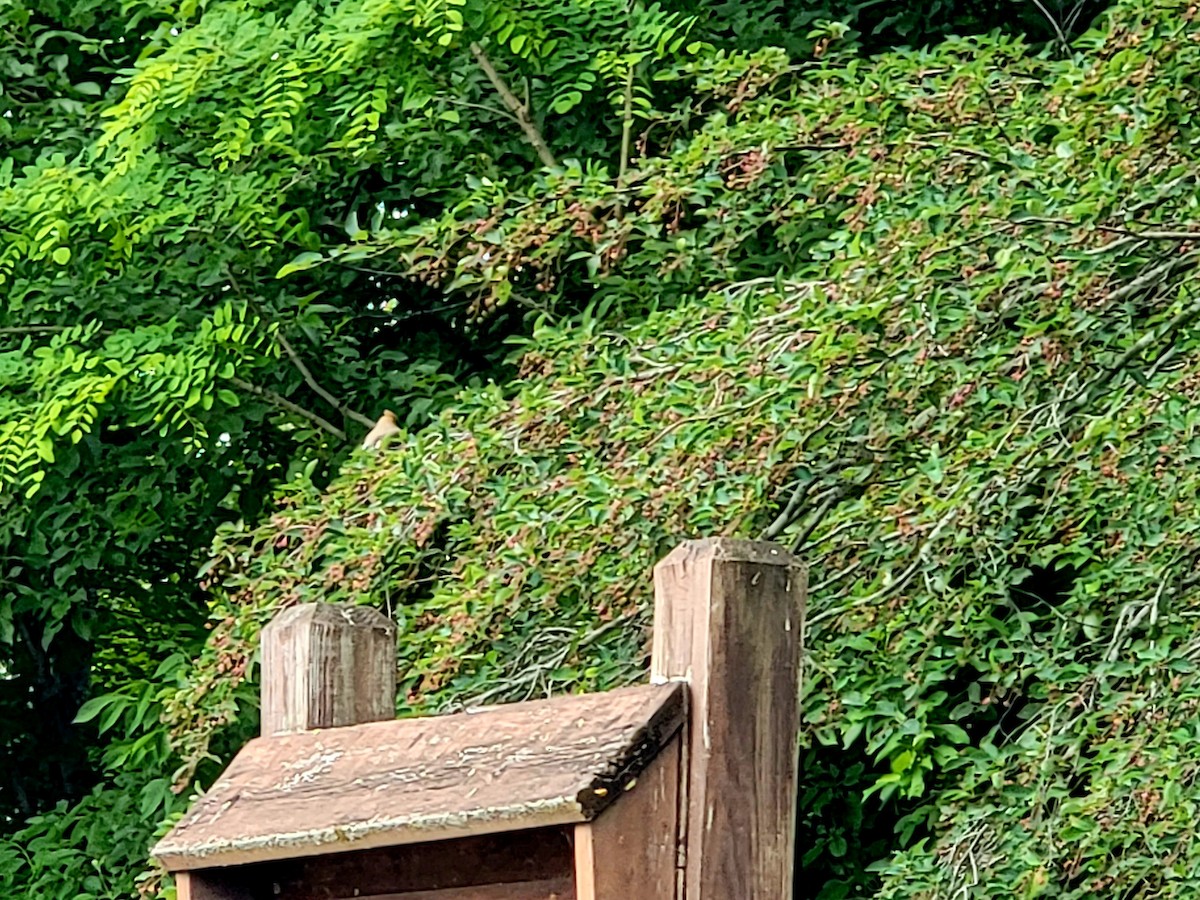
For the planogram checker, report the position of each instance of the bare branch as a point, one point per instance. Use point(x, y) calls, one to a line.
point(789, 514)
point(304, 371)
point(1145, 233)
point(515, 106)
point(316, 388)
point(1058, 32)
point(502, 113)
point(284, 403)
point(34, 329)
point(626, 129)
point(834, 496)
point(813, 148)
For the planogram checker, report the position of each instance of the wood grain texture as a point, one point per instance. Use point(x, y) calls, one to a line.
point(527, 765)
point(554, 889)
point(544, 854)
point(728, 619)
point(630, 850)
point(325, 665)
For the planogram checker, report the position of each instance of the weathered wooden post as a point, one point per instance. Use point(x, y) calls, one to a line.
point(728, 620)
point(325, 665)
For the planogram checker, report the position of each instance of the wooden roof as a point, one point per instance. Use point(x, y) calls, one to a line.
point(525, 765)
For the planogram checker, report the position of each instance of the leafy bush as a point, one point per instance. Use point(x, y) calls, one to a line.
point(930, 320)
point(926, 316)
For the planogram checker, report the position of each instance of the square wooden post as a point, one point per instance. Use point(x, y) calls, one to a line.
point(325, 665)
point(728, 619)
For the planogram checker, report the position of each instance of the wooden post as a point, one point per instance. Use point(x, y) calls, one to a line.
point(325, 665)
point(728, 619)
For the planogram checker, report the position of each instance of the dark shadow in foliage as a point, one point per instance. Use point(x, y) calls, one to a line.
point(879, 25)
point(1038, 597)
point(839, 831)
point(42, 757)
point(984, 709)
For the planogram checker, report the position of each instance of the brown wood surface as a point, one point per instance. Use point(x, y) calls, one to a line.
point(519, 856)
point(325, 665)
point(526, 765)
point(198, 886)
point(728, 618)
point(629, 851)
point(553, 889)
point(213, 886)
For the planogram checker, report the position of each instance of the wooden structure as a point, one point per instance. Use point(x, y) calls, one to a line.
point(681, 789)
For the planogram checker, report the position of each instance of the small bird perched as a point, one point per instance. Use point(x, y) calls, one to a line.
point(384, 428)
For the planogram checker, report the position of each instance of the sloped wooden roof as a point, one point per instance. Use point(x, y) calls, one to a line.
point(525, 765)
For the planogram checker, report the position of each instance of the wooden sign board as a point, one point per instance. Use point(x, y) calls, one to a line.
point(682, 788)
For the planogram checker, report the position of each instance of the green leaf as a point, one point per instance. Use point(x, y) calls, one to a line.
point(301, 262)
point(93, 707)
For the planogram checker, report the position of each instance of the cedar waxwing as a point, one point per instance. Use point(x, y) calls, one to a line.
point(384, 428)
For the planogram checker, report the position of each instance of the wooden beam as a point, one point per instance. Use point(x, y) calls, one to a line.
point(517, 857)
point(630, 850)
point(728, 619)
point(325, 665)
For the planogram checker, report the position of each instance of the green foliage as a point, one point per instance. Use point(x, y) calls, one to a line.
point(939, 305)
point(95, 848)
point(232, 232)
point(90, 850)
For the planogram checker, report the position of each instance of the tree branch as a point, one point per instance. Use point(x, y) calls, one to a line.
point(788, 516)
point(1049, 16)
point(1183, 233)
point(43, 329)
point(304, 371)
point(833, 497)
point(502, 113)
point(316, 388)
point(284, 403)
point(515, 106)
point(626, 129)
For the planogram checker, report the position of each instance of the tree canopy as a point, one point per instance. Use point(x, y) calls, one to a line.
point(630, 273)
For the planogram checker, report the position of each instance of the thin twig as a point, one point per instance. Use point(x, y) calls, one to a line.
point(1150, 278)
point(903, 579)
point(955, 148)
point(284, 403)
point(813, 148)
point(626, 134)
point(35, 329)
point(503, 113)
point(1149, 234)
point(1183, 317)
point(833, 497)
point(785, 518)
point(1062, 38)
point(316, 388)
point(515, 106)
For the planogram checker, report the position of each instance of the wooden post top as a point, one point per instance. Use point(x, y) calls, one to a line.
point(726, 549)
point(325, 665)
